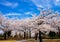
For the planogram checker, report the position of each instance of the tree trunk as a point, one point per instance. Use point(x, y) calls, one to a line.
point(40, 37)
point(36, 35)
point(5, 34)
point(29, 33)
point(24, 35)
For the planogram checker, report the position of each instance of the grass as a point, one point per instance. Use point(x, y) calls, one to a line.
point(32, 40)
point(51, 40)
point(44, 40)
point(7, 41)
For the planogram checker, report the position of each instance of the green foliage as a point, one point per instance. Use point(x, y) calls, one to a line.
point(52, 34)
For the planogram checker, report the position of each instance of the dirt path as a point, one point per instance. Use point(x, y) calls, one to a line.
point(44, 40)
point(21, 41)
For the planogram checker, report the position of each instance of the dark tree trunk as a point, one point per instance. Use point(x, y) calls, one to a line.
point(24, 35)
point(40, 37)
point(36, 35)
point(8, 33)
point(59, 32)
point(29, 33)
point(5, 34)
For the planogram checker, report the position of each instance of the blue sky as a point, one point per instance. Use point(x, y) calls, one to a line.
point(27, 8)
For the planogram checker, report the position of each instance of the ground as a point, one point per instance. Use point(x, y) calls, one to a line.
point(32, 40)
point(7, 40)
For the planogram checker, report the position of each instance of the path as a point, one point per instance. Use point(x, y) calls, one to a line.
point(21, 41)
